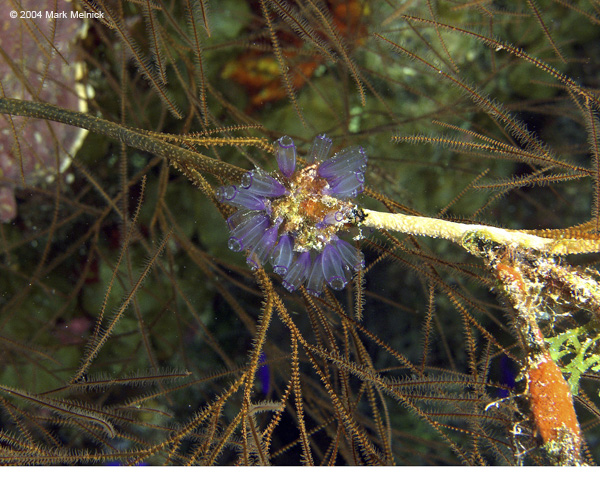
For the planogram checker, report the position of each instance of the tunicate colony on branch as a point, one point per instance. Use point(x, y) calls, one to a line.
point(292, 218)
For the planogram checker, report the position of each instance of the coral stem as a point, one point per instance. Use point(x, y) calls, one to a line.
point(462, 233)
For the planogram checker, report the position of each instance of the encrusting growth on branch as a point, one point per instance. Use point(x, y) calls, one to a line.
point(535, 282)
point(536, 285)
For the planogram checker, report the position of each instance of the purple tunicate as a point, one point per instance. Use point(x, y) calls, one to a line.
point(226, 193)
point(246, 199)
point(273, 224)
point(247, 233)
point(261, 250)
point(286, 155)
point(316, 277)
point(320, 148)
point(240, 216)
point(282, 255)
point(349, 185)
point(333, 218)
point(260, 183)
point(298, 272)
point(332, 268)
point(352, 258)
point(240, 197)
point(351, 159)
point(264, 374)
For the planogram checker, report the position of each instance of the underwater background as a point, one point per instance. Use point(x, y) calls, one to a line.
point(131, 332)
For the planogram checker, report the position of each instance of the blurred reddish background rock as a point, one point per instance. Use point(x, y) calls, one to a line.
point(40, 64)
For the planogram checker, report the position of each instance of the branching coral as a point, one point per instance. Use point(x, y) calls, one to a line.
point(403, 367)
